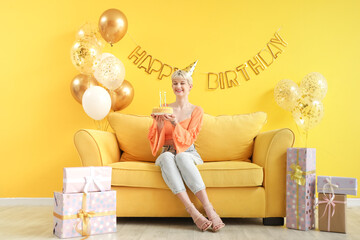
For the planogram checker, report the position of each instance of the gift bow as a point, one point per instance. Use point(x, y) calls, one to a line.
point(329, 203)
point(84, 218)
point(93, 180)
point(330, 186)
point(297, 174)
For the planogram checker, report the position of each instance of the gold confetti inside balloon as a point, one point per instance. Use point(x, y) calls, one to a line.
point(308, 113)
point(286, 93)
point(313, 86)
point(90, 30)
point(110, 72)
point(84, 53)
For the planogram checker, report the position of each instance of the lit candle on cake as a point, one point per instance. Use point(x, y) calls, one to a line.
point(165, 98)
point(160, 98)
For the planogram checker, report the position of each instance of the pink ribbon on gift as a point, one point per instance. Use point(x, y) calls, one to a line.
point(329, 203)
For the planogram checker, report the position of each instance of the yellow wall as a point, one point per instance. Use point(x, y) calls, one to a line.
point(39, 116)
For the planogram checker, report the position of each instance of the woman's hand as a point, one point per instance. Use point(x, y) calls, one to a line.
point(171, 118)
point(159, 121)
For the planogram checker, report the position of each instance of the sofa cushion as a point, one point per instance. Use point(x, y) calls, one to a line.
point(214, 174)
point(224, 138)
point(221, 138)
point(131, 132)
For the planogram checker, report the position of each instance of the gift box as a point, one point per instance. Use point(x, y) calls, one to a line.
point(338, 185)
point(300, 188)
point(86, 179)
point(331, 212)
point(80, 214)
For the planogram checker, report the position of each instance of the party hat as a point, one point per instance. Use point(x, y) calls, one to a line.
point(190, 69)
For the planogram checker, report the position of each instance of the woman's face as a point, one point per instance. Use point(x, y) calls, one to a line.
point(181, 86)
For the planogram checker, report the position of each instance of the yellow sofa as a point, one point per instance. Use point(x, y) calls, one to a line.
point(244, 170)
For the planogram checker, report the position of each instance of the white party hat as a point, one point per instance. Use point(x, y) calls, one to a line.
point(190, 69)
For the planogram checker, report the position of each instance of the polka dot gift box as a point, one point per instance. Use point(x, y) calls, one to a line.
point(80, 214)
point(300, 188)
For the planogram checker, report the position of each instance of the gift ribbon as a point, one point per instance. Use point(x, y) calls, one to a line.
point(84, 217)
point(92, 179)
point(329, 185)
point(329, 203)
point(298, 176)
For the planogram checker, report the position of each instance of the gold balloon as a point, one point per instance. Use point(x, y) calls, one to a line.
point(308, 113)
point(84, 54)
point(80, 84)
point(314, 86)
point(113, 25)
point(122, 96)
point(286, 93)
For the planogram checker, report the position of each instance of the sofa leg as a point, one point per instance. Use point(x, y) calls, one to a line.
point(273, 221)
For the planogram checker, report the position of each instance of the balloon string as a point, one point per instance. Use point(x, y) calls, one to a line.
point(132, 39)
point(300, 134)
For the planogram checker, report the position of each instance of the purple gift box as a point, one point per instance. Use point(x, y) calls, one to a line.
point(338, 185)
point(77, 214)
point(300, 188)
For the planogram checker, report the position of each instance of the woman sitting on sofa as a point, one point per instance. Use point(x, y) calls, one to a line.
point(176, 134)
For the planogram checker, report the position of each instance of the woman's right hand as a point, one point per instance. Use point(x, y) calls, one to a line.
point(160, 121)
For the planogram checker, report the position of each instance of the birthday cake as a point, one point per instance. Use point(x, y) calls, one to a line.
point(162, 110)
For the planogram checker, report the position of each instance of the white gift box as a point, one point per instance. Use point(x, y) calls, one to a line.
point(86, 179)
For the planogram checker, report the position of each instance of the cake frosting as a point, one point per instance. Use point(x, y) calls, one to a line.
point(162, 110)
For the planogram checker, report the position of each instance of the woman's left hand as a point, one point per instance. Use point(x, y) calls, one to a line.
point(171, 118)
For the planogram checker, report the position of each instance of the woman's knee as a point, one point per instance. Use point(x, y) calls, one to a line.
point(183, 160)
point(165, 158)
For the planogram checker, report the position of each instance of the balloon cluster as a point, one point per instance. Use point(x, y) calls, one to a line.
point(101, 84)
point(303, 102)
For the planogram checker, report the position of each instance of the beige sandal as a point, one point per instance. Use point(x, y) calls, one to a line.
point(201, 222)
point(215, 219)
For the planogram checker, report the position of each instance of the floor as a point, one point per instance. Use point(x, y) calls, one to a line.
point(36, 222)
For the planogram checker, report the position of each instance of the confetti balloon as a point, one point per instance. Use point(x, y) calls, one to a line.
point(286, 93)
point(84, 54)
point(90, 30)
point(308, 113)
point(110, 72)
point(314, 86)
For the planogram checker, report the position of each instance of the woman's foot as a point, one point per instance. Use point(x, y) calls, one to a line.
point(217, 223)
point(201, 222)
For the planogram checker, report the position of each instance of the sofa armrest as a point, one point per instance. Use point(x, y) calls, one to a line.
point(96, 148)
point(270, 153)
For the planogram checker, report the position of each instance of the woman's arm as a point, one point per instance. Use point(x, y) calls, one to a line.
point(184, 138)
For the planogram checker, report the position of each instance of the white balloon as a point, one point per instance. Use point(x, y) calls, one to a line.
point(96, 102)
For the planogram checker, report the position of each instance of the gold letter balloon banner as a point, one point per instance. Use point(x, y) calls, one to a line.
point(226, 79)
point(101, 85)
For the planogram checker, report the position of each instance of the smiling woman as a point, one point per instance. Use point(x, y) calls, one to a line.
point(176, 134)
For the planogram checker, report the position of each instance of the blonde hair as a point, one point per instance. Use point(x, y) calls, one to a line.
point(183, 74)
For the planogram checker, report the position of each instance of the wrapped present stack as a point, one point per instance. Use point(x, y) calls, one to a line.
point(300, 188)
point(87, 206)
point(332, 202)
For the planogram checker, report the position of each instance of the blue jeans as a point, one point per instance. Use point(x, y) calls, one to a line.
point(178, 167)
